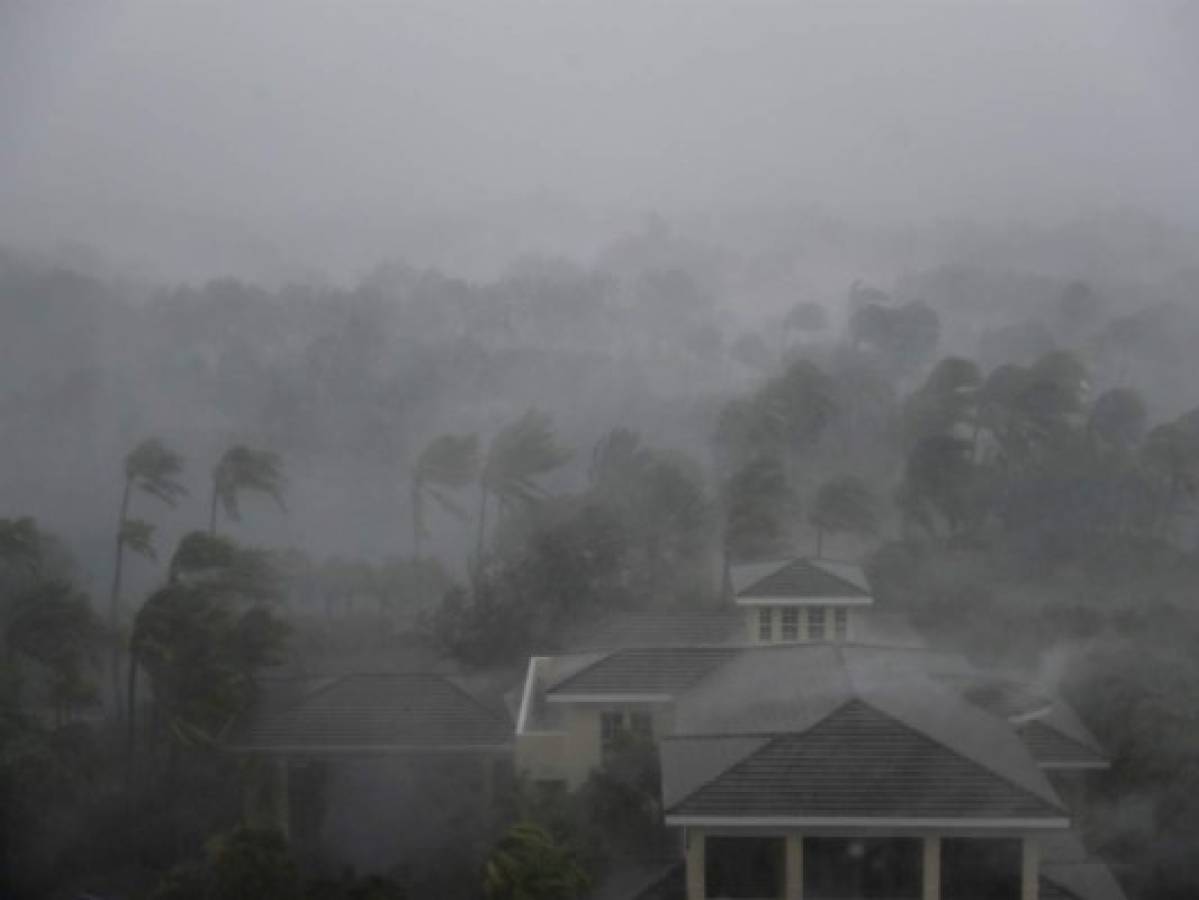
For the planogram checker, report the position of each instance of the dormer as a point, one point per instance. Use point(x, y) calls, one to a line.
point(799, 600)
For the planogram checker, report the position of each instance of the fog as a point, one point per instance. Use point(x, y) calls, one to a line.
point(370, 370)
point(292, 139)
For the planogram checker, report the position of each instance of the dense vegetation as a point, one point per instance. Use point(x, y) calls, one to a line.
point(492, 466)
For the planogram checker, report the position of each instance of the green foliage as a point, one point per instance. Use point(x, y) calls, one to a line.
point(20, 543)
point(563, 564)
point(520, 454)
point(202, 637)
point(154, 468)
point(447, 462)
point(240, 470)
point(760, 510)
point(244, 864)
point(138, 536)
point(528, 864)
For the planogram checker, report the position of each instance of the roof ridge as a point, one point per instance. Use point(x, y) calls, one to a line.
point(767, 741)
point(1059, 733)
point(1056, 804)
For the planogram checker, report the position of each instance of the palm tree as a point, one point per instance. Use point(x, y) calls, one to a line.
point(528, 864)
point(518, 455)
point(242, 469)
point(154, 468)
point(843, 504)
point(448, 462)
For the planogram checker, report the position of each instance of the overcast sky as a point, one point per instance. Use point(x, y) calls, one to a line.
point(316, 127)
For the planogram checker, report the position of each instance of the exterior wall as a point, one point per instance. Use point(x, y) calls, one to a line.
point(570, 755)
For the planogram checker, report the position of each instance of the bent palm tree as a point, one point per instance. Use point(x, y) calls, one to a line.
point(449, 461)
point(154, 468)
point(242, 469)
point(519, 454)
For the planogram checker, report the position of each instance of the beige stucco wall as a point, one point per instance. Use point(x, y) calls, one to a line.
point(571, 754)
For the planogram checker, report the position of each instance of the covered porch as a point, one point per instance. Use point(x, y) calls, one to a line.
point(796, 866)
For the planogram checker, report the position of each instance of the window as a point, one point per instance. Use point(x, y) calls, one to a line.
point(862, 868)
point(611, 726)
point(619, 729)
point(816, 623)
point(747, 867)
point(765, 625)
point(980, 868)
point(840, 624)
point(791, 624)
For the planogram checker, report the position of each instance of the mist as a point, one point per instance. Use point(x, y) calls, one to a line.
point(376, 380)
point(288, 140)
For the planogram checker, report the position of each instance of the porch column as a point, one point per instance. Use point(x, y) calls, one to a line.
point(932, 868)
point(1030, 869)
point(793, 868)
point(696, 889)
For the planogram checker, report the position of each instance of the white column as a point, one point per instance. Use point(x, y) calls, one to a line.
point(932, 868)
point(1030, 869)
point(696, 889)
point(793, 868)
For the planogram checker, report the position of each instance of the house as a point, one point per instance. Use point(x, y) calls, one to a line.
point(794, 600)
point(369, 769)
point(805, 755)
point(831, 770)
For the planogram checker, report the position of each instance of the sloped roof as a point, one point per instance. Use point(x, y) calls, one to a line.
point(860, 763)
point(385, 713)
point(1090, 880)
point(661, 629)
point(1050, 747)
point(800, 579)
point(662, 670)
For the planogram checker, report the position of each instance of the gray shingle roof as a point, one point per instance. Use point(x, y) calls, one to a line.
point(664, 670)
point(384, 713)
point(859, 762)
point(799, 579)
point(661, 629)
point(1050, 746)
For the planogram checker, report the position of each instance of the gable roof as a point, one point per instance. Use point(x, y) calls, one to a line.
point(677, 628)
point(858, 763)
point(659, 671)
point(799, 580)
point(364, 714)
point(1052, 749)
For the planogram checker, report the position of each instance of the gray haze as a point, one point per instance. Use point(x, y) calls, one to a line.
point(287, 138)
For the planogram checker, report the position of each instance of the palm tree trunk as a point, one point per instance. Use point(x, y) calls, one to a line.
point(131, 703)
point(114, 600)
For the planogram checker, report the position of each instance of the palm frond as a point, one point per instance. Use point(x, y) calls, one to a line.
point(138, 536)
point(154, 467)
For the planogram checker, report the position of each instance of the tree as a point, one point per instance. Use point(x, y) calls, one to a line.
point(528, 864)
point(520, 454)
point(759, 510)
point(241, 469)
point(52, 624)
point(843, 504)
point(448, 462)
point(1117, 419)
point(153, 468)
point(243, 864)
point(947, 400)
point(938, 481)
point(202, 637)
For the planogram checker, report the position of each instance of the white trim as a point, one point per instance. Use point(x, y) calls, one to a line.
point(1066, 766)
point(609, 698)
point(526, 695)
point(804, 601)
point(848, 822)
point(1033, 715)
